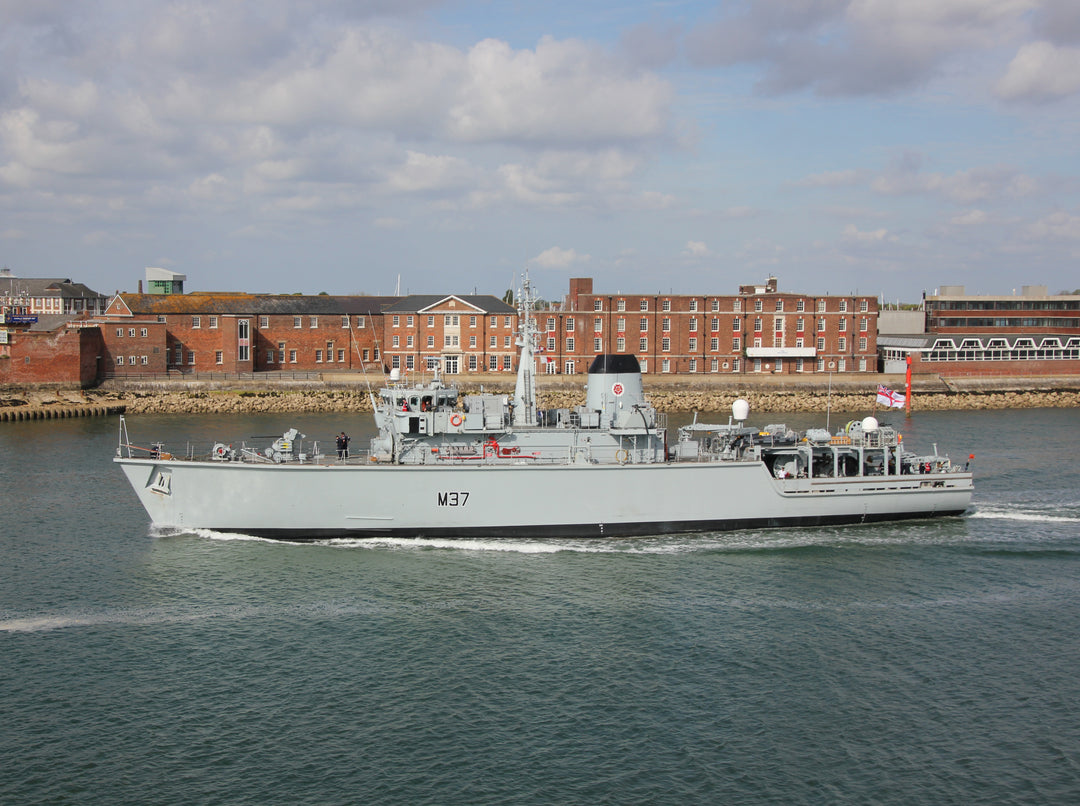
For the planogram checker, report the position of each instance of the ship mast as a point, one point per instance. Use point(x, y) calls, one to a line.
point(525, 389)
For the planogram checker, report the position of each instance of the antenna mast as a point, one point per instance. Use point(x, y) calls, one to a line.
point(525, 389)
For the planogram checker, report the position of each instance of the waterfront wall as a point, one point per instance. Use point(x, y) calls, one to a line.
point(61, 411)
point(667, 394)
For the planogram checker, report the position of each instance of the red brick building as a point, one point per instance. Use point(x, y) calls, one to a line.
point(758, 330)
point(132, 346)
point(457, 333)
point(217, 332)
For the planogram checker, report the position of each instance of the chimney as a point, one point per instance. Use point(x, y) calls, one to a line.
point(140, 286)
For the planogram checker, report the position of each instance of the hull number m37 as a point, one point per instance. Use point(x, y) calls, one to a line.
point(448, 499)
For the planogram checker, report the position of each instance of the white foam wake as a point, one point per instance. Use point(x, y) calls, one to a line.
point(1013, 513)
point(146, 617)
point(209, 534)
point(463, 544)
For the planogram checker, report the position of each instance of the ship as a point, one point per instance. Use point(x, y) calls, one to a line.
point(449, 465)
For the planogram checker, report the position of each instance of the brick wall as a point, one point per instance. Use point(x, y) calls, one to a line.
point(65, 356)
point(91, 355)
point(323, 342)
point(131, 347)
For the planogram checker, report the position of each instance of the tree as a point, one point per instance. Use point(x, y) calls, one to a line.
point(508, 297)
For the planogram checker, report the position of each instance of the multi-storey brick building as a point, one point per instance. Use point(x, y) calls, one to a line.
point(260, 332)
point(252, 332)
point(455, 333)
point(758, 330)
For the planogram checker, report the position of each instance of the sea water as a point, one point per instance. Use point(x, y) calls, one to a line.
point(925, 662)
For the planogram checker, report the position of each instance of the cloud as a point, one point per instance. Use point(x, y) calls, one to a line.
point(696, 249)
point(831, 179)
point(852, 47)
point(969, 218)
point(965, 187)
point(651, 45)
point(563, 91)
point(1057, 21)
point(1058, 226)
point(558, 258)
point(854, 234)
point(426, 173)
point(599, 180)
point(266, 109)
point(1040, 72)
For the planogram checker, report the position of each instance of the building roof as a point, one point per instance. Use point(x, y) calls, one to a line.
point(46, 287)
point(253, 304)
point(905, 342)
point(155, 273)
point(50, 323)
point(483, 303)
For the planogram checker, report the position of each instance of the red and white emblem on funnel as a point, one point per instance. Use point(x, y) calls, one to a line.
point(617, 389)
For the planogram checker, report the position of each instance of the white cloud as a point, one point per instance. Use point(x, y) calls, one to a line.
point(184, 104)
point(97, 238)
point(559, 258)
point(423, 173)
point(854, 234)
point(524, 184)
point(1058, 225)
point(965, 187)
point(1041, 71)
point(696, 249)
point(969, 218)
point(853, 47)
point(563, 91)
point(831, 179)
point(212, 186)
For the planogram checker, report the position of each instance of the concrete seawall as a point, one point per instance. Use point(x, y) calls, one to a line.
point(348, 393)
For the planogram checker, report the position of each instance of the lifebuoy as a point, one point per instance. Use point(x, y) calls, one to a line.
point(455, 420)
point(622, 456)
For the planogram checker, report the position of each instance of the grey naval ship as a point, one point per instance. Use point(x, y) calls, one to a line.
point(487, 465)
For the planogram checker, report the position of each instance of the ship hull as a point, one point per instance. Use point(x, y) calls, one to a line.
point(314, 501)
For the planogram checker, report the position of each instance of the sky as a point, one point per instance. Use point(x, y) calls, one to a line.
point(358, 146)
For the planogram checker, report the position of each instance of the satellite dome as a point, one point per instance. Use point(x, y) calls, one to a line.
point(869, 424)
point(740, 409)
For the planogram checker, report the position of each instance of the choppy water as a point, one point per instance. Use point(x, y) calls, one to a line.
point(918, 663)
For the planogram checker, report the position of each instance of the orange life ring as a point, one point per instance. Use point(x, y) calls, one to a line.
point(455, 420)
